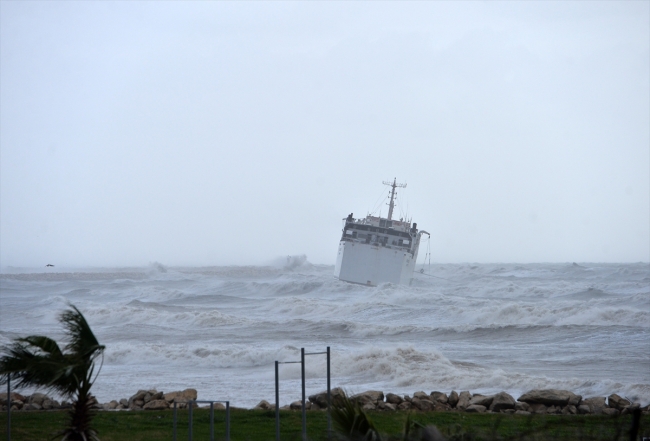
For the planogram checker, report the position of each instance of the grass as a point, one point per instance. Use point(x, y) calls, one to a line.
point(258, 425)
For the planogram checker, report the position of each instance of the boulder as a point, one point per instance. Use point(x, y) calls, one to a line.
point(390, 406)
point(14, 397)
point(463, 400)
point(124, 402)
point(570, 409)
point(537, 408)
point(481, 400)
point(440, 397)
point(404, 405)
point(475, 408)
point(264, 405)
point(37, 398)
point(508, 411)
point(181, 396)
point(522, 412)
point(596, 404)
point(156, 405)
point(520, 405)
point(421, 395)
point(48, 404)
point(583, 409)
point(369, 406)
point(617, 402)
point(611, 411)
point(550, 397)
point(112, 405)
point(320, 398)
point(393, 399)
point(297, 405)
point(369, 396)
point(139, 396)
point(423, 405)
point(502, 401)
point(32, 406)
point(453, 398)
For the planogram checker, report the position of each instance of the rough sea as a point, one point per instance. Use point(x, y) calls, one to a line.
point(478, 327)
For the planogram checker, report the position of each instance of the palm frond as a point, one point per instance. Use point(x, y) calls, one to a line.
point(352, 423)
point(82, 341)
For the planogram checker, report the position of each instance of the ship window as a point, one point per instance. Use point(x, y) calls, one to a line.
point(382, 223)
point(406, 242)
point(349, 232)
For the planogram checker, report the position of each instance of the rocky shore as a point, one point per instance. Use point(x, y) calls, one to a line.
point(544, 401)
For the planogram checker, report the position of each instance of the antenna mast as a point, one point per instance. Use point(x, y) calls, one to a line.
point(393, 186)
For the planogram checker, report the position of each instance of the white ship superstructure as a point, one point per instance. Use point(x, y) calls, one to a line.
point(377, 250)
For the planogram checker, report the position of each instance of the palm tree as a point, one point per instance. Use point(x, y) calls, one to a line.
point(39, 361)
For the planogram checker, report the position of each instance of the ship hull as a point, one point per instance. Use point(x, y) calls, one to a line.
point(371, 265)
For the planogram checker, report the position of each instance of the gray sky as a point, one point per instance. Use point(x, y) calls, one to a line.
point(214, 133)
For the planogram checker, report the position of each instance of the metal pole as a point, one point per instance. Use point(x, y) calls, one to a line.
point(174, 438)
point(304, 410)
point(329, 398)
point(277, 402)
point(191, 404)
point(227, 420)
point(212, 421)
point(8, 408)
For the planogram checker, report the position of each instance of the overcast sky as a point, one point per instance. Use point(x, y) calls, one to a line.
point(211, 133)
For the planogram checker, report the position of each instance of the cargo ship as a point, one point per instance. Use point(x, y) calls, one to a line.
point(375, 250)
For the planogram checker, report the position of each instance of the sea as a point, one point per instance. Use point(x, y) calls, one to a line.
point(486, 328)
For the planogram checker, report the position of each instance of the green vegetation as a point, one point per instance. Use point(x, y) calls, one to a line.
point(259, 425)
point(39, 361)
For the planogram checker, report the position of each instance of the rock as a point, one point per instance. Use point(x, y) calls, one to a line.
point(32, 406)
point(520, 405)
point(369, 406)
point(120, 407)
point(404, 405)
point(502, 401)
point(421, 395)
point(124, 402)
point(157, 396)
point(553, 410)
point(611, 411)
point(369, 396)
point(264, 405)
point(583, 409)
point(475, 408)
point(48, 404)
point(453, 398)
point(463, 400)
point(314, 406)
point(596, 404)
point(156, 405)
point(440, 397)
point(482, 400)
point(407, 398)
point(617, 402)
point(393, 399)
point(297, 405)
point(221, 406)
point(423, 405)
point(14, 397)
point(336, 395)
point(570, 409)
point(390, 406)
point(180, 396)
point(508, 411)
point(550, 397)
point(37, 398)
point(537, 408)
point(139, 396)
point(522, 412)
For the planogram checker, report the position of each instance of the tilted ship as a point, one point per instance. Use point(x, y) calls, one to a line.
point(378, 250)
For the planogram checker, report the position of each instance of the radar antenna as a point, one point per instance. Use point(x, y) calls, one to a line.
point(393, 186)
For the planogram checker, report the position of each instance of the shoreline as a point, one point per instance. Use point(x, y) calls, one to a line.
point(539, 401)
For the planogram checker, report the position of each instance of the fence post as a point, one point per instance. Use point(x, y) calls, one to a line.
point(277, 402)
point(212, 421)
point(174, 437)
point(227, 420)
point(8, 408)
point(304, 410)
point(329, 398)
point(190, 403)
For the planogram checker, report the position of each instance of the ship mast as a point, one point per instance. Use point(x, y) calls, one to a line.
point(393, 186)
